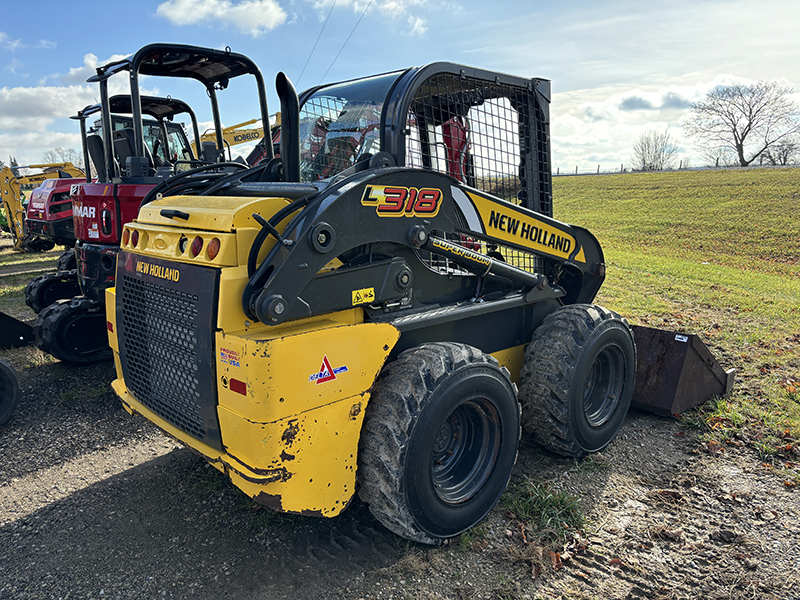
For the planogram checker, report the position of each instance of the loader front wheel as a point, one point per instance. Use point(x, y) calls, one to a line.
point(439, 441)
point(577, 381)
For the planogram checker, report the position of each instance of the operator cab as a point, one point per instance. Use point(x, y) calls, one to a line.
point(166, 146)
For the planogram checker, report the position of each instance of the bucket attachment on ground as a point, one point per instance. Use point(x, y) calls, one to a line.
point(675, 372)
point(14, 333)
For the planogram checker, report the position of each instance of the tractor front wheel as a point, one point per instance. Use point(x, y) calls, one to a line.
point(439, 441)
point(577, 381)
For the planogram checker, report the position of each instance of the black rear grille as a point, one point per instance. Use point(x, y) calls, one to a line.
point(166, 337)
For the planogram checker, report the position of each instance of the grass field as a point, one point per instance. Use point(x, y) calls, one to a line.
point(716, 253)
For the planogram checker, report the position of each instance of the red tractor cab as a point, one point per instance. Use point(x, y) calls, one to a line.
point(95, 218)
point(135, 159)
point(49, 211)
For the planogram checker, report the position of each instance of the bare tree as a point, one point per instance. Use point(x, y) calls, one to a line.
point(746, 119)
point(783, 152)
point(59, 155)
point(654, 151)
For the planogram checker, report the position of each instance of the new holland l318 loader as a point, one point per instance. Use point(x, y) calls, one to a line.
point(383, 315)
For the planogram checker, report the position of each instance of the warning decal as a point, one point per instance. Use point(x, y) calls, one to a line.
point(326, 372)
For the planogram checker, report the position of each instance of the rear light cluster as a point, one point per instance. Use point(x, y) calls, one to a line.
point(132, 237)
point(196, 247)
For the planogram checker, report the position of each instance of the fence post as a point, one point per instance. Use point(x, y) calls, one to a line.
point(598, 169)
point(622, 168)
point(576, 169)
point(558, 169)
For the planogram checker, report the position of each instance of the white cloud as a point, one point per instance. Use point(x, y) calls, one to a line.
point(587, 131)
point(417, 26)
point(9, 44)
point(29, 148)
point(254, 17)
point(14, 66)
point(393, 9)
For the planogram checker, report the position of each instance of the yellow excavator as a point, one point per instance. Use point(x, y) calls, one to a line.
point(240, 134)
point(12, 197)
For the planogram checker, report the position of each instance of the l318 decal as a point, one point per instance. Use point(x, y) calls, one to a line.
point(396, 201)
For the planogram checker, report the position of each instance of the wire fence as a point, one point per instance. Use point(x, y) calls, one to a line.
point(559, 172)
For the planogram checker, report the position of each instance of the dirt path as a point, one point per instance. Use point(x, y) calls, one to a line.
point(97, 504)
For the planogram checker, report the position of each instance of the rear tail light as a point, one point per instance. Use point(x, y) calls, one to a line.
point(213, 248)
point(197, 246)
point(105, 220)
point(126, 237)
point(135, 238)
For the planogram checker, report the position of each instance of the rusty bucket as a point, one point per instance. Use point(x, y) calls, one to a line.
point(675, 372)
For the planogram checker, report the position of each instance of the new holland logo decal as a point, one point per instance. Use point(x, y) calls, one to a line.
point(326, 372)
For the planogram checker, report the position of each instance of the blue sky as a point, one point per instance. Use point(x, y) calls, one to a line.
point(617, 67)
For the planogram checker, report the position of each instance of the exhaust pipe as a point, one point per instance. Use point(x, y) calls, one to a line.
point(290, 128)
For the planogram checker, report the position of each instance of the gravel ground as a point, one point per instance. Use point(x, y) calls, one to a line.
point(97, 504)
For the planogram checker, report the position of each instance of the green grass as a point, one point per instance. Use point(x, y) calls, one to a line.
point(554, 516)
point(716, 253)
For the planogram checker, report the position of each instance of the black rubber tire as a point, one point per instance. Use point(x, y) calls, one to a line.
point(67, 261)
point(74, 331)
point(45, 289)
point(439, 441)
point(9, 392)
point(577, 380)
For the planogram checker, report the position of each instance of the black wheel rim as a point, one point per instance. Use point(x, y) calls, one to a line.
point(604, 386)
point(465, 451)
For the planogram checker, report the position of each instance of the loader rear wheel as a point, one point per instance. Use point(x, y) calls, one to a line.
point(439, 441)
point(577, 380)
point(45, 289)
point(9, 392)
point(74, 331)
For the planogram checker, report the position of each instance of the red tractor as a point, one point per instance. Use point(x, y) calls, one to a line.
point(138, 158)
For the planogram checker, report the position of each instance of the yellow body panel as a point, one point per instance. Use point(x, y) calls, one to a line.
point(291, 405)
point(211, 213)
point(512, 359)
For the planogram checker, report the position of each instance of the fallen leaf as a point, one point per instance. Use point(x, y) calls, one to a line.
point(536, 570)
point(479, 546)
point(556, 560)
point(674, 535)
point(615, 563)
point(724, 535)
point(671, 493)
point(714, 447)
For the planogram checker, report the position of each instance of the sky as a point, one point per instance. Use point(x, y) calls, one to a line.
point(618, 68)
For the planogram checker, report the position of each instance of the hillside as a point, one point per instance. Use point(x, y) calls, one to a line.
point(715, 253)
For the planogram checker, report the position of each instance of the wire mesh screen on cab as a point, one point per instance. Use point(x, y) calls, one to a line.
point(487, 135)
